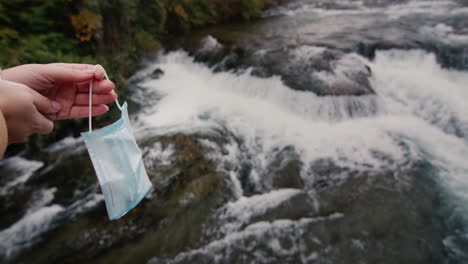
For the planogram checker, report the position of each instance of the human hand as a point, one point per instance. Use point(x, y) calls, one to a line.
point(24, 110)
point(66, 84)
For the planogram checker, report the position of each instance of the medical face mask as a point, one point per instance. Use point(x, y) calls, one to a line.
point(118, 163)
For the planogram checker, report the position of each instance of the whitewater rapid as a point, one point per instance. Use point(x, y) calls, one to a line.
point(419, 113)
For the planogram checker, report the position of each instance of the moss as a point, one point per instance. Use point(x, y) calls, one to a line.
point(191, 171)
point(204, 186)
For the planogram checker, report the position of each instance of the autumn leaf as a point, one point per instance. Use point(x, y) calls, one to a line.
point(180, 11)
point(85, 24)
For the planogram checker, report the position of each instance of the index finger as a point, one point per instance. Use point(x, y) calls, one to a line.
point(78, 69)
point(75, 66)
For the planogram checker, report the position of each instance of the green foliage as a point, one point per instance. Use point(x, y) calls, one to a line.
point(184, 15)
point(151, 17)
point(43, 48)
point(251, 8)
point(37, 31)
point(200, 13)
point(34, 16)
point(146, 43)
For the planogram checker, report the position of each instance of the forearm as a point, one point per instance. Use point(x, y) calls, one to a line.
point(3, 129)
point(3, 135)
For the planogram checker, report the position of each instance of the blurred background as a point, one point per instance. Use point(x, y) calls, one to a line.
point(295, 131)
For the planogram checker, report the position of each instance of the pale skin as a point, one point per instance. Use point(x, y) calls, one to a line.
point(32, 96)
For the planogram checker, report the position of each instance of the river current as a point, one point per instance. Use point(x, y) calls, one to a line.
point(339, 129)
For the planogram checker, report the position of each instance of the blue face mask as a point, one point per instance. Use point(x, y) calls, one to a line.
point(118, 163)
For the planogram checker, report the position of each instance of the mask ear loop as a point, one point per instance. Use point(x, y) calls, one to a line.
point(90, 108)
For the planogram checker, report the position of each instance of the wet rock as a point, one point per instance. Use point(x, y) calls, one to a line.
point(13, 206)
point(384, 211)
point(350, 76)
point(362, 219)
point(306, 68)
point(157, 73)
point(69, 189)
point(14, 192)
point(285, 171)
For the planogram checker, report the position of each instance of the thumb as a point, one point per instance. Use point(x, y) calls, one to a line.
point(44, 105)
point(43, 124)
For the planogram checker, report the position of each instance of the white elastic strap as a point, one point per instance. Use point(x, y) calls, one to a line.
point(90, 108)
point(90, 103)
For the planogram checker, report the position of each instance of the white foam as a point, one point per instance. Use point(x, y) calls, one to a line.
point(66, 145)
point(439, 7)
point(210, 44)
point(394, 11)
point(155, 156)
point(303, 54)
point(444, 33)
point(450, 243)
point(343, 70)
point(84, 204)
point(316, 8)
point(26, 231)
point(428, 107)
point(246, 207)
point(219, 250)
point(242, 210)
point(265, 113)
point(40, 199)
point(412, 83)
point(226, 163)
point(23, 170)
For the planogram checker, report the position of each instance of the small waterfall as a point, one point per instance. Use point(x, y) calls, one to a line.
point(417, 114)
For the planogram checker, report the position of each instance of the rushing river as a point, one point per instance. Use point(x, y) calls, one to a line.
point(326, 132)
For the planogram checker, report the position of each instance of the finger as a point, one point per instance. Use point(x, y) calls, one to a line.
point(76, 66)
point(97, 99)
point(98, 86)
point(62, 74)
point(43, 104)
point(52, 117)
point(98, 71)
point(83, 111)
point(43, 124)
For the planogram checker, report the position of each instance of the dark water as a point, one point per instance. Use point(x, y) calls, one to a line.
point(326, 132)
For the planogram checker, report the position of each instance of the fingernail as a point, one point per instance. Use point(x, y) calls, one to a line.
point(88, 71)
point(56, 106)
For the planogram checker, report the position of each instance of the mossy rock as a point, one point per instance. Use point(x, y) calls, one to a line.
point(167, 221)
point(73, 177)
point(13, 206)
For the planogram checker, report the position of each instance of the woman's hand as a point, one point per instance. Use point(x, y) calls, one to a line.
point(23, 109)
point(66, 84)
